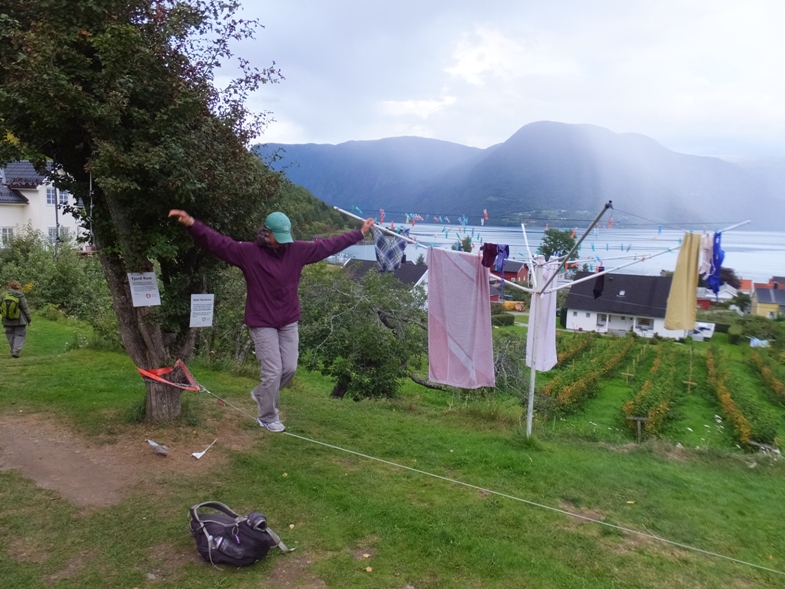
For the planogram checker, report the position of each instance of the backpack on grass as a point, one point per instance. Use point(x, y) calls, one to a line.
point(229, 538)
point(9, 307)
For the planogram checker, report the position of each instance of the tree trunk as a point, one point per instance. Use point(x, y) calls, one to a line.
point(141, 335)
point(162, 402)
point(340, 388)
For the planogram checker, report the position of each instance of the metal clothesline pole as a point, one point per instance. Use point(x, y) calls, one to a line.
point(608, 205)
point(353, 216)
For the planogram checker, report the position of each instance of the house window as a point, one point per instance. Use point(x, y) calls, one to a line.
point(588, 314)
point(64, 234)
point(50, 195)
point(644, 321)
point(64, 194)
point(623, 318)
point(575, 313)
point(621, 293)
point(6, 235)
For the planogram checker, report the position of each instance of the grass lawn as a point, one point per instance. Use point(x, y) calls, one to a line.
point(417, 530)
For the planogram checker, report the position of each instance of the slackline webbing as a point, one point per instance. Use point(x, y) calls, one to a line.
point(156, 374)
point(512, 497)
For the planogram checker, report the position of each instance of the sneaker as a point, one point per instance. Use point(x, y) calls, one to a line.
point(273, 426)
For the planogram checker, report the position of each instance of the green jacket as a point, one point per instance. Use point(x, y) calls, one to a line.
point(24, 316)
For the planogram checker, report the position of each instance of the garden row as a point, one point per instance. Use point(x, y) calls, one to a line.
point(580, 381)
point(585, 361)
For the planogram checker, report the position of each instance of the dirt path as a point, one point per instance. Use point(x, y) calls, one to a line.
point(90, 474)
point(96, 476)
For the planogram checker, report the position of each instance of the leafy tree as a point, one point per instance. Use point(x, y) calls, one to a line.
point(120, 96)
point(743, 301)
point(466, 244)
point(366, 334)
point(727, 276)
point(557, 243)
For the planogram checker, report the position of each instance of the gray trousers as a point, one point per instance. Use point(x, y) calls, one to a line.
point(15, 334)
point(277, 352)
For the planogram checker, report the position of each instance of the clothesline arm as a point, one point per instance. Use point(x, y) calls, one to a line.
point(531, 257)
point(606, 206)
point(518, 286)
point(353, 216)
point(673, 249)
point(736, 226)
point(591, 276)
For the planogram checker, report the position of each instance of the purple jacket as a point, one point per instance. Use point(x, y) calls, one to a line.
point(271, 275)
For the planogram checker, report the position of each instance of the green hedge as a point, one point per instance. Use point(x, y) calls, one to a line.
point(503, 319)
point(734, 334)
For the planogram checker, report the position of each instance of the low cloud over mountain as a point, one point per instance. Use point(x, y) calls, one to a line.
point(544, 166)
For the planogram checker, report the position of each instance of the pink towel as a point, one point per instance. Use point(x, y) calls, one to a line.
point(460, 345)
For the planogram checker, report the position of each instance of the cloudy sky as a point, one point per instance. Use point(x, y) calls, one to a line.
point(700, 76)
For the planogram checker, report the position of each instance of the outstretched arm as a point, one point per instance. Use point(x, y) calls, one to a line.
point(182, 217)
point(222, 246)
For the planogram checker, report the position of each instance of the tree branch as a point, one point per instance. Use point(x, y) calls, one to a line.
point(427, 383)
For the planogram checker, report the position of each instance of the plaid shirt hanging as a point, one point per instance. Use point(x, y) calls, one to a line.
point(389, 250)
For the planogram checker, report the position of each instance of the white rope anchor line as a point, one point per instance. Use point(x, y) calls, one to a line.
point(506, 496)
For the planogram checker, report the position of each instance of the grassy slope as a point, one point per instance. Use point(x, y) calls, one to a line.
point(420, 530)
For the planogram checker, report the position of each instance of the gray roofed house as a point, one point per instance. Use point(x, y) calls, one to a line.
point(28, 199)
point(768, 302)
point(626, 302)
point(11, 196)
point(22, 174)
point(408, 273)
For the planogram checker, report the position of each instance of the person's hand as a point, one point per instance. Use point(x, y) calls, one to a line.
point(366, 225)
point(182, 217)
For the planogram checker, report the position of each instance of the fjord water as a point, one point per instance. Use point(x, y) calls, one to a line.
point(756, 255)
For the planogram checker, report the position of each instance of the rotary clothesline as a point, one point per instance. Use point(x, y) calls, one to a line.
point(542, 298)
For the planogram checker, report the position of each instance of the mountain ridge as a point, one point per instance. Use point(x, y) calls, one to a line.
point(543, 166)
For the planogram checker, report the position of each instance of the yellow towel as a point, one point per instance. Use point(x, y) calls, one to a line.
point(683, 297)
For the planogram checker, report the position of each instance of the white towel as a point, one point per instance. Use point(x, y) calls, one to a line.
point(460, 344)
point(543, 316)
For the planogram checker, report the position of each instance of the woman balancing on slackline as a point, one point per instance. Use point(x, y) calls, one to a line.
point(272, 266)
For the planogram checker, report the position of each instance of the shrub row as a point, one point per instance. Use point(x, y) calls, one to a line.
point(750, 420)
point(580, 381)
point(772, 382)
point(577, 345)
point(655, 397)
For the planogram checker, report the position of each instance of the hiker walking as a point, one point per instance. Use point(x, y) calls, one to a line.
point(272, 266)
point(16, 317)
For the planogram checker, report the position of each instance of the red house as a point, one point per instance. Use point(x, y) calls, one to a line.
point(514, 271)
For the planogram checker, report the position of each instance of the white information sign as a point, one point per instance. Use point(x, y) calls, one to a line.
point(202, 310)
point(144, 289)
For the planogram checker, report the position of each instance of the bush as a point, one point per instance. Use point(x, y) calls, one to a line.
point(68, 283)
point(503, 320)
point(734, 334)
point(497, 308)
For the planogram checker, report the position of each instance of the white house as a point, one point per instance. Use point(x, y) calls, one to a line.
point(620, 303)
point(26, 198)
